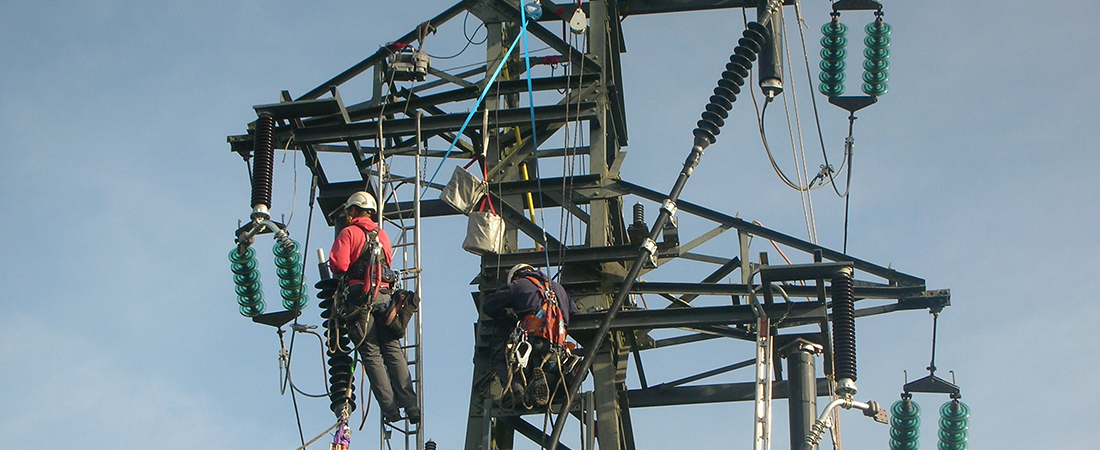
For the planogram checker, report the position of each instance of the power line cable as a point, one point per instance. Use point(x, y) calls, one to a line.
point(469, 39)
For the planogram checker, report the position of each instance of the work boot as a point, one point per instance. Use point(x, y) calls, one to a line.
point(540, 391)
point(513, 397)
point(413, 415)
point(390, 417)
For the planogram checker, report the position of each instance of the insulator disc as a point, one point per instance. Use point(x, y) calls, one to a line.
point(721, 101)
point(713, 119)
point(704, 135)
point(726, 93)
point(716, 109)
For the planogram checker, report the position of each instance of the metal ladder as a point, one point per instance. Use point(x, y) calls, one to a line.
point(405, 241)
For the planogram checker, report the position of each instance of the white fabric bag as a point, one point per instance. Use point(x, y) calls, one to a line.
point(484, 231)
point(464, 190)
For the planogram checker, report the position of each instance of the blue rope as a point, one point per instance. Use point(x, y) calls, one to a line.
point(473, 111)
point(534, 138)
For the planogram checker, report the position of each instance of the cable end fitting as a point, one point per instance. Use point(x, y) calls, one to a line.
point(846, 388)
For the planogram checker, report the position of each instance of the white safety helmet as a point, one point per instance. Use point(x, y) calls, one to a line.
point(362, 200)
point(519, 268)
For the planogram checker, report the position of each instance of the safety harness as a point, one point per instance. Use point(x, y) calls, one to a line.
point(547, 322)
point(371, 267)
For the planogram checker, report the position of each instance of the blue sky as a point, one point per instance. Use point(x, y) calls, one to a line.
point(976, 172)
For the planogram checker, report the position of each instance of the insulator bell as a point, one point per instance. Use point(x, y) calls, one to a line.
point(844, 325)
point(715, 112)
point(263, 152)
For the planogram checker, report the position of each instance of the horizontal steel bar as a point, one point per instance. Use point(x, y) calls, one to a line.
point(624, 187)
point(441, 123)
point(572, 255)
point(713, 393)
point(695, 317)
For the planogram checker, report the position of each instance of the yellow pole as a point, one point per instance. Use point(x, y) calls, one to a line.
point(529, 197)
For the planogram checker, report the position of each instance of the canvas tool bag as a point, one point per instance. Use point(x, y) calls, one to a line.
point(464, 189)
point(484, 230)
point(396, 314)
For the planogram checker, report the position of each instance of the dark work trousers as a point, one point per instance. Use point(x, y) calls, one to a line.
point(386, 367)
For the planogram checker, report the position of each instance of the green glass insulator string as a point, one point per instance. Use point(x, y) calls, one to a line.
point(288, 261)
point(954, 425)
point(250, 295)
point(876, 64)
point(905, 425)
point(833, 53)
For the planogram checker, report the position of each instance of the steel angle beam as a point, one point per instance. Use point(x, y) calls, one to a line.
point(299, 109)
point(937, 299)
point(637, 7)
point(908, 294)
point(711, 393)
point(383, 53)
point(432, 125)
point(522, 223)
point(428, 208)
point(370, 111)
point(624, 187)
point(696, 317)
point(522, 187)
point(801, 272)
point(572, 255)
point(502, 11)
point(681, 340)
point(529, 431)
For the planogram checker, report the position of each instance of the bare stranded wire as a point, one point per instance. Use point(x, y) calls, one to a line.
point(760, 115)
point(570, 145)
point(827, 168)
point(804, 174)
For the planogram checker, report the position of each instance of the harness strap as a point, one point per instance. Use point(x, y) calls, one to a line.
point(373, 278)
point(551, 325)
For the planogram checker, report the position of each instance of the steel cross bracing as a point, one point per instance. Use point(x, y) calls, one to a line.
point(396, 122)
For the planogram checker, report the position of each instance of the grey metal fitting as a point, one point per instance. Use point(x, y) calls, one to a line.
point(260, 212)
point(846, 388)
point(670, 206)
point(846, 269)
point(651, 248)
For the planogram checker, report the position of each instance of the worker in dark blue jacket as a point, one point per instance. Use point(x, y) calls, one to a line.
point(539, 309)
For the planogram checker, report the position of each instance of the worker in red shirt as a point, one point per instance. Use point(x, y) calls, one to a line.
point(362, 251)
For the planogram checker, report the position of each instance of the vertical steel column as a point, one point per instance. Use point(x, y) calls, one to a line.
point(604, 366)
point(606, 398)
point(801, 390)
point(598, 226)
